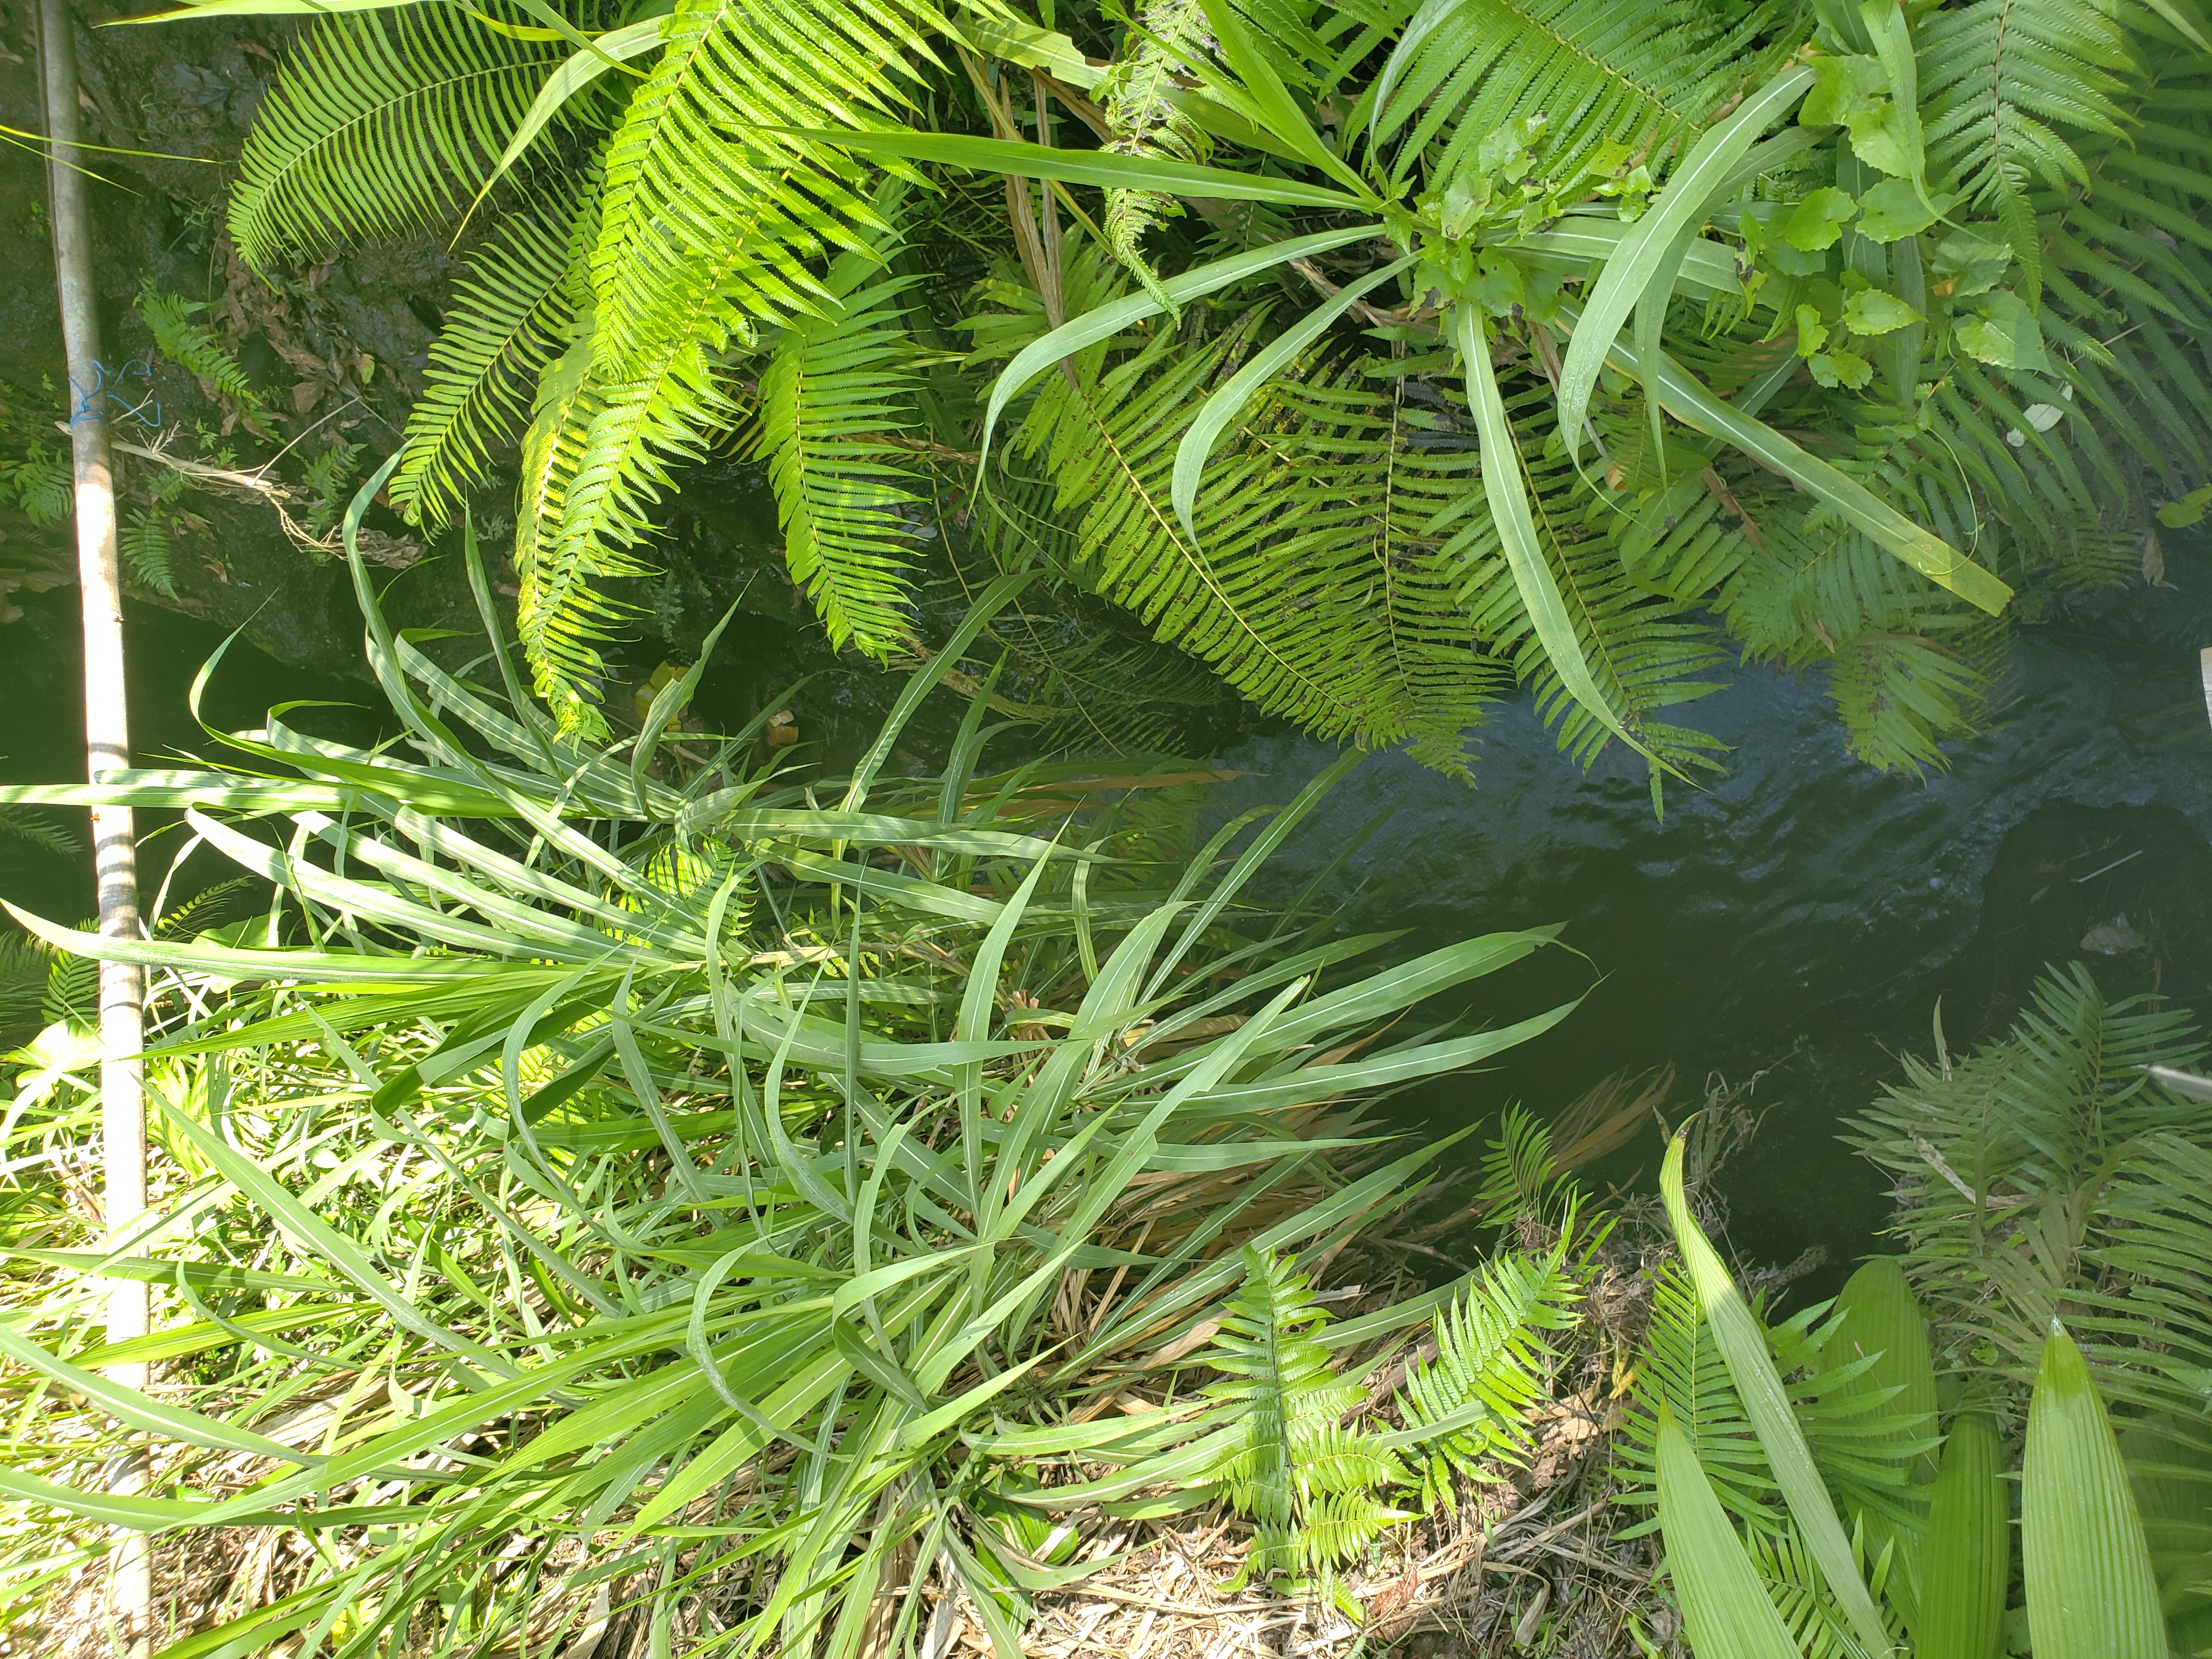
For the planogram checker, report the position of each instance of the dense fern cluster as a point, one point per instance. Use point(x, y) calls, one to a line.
point(1818, 336)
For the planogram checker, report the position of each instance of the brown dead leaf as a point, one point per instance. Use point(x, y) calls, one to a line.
point(305, 395)
point(1387, 1606)
point(2153, 561)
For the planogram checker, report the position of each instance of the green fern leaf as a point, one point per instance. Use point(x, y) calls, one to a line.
point(833, 395)
point(1898, 695)
point(28, 823)
point(381, 121)
point(712, 212)
point(192, 345)
point(1491, 1354)
point(1137, 95)
point(511, 315)
point(558, 616)
point(144, 539)
point(1314, 587)
point(2002, 82)
point(1294, 1468)
point(1635, 76)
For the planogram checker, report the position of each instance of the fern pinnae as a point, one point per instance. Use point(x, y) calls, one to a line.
point(723, 258)
point(511, 316)
point(834, 391)
point(1135, 95)
point(2001, 80)
point(380, 122)
point(1491, 1354)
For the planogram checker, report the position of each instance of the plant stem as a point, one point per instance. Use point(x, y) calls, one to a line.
point(107, 743)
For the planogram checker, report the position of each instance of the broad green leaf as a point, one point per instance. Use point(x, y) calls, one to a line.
point(2003, 331)
point(1900, 149)
point(1894, 210)
point(1507, 492)
point(1819, 220)
point(1229, 400)
point(2091, 1593)
point(1743, 1347)
point(1965, 1563)
point(2188, 510)
point(1870, 311)
point(1640, 258)
point(1840, 367)
point(1878, 1315)
point(1846, 87)
point(1726, 1610)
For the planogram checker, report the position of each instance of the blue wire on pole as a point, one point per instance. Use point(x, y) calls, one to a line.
point(108, 385)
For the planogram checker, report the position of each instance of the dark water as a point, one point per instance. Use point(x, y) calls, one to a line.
point(1800, 919)
point(1797, 921)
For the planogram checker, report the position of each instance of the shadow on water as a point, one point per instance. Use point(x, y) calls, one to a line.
point(1794, 923)
point(1797, 921)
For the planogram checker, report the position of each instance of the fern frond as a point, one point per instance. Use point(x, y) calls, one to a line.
point(24, 965)
point(144, 538)
point(2004, 83)
point(1681, 1365)
point(1601, 72)
point(1643, 649)
point(204, 910)
point(1898, 695)
point(381, 121)
point(1518, 1175)
point(711, 213)
point(558, 616)
point(1801, 1596)
point(1292, 1467)
point(511, 315)
point(192, 345)
point(40, 828)
point(1136, 96)
point(72, 988)
point(2035, 1127)
point(835, 391)
point(1316, 587)
point(1491, 1354)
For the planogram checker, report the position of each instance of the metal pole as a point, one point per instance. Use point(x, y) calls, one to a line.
point(107, 743)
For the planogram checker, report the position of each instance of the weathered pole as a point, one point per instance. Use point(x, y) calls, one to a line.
point(107, 744)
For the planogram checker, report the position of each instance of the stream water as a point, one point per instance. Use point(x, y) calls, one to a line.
point(1795, 922)
point(1798, 920)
